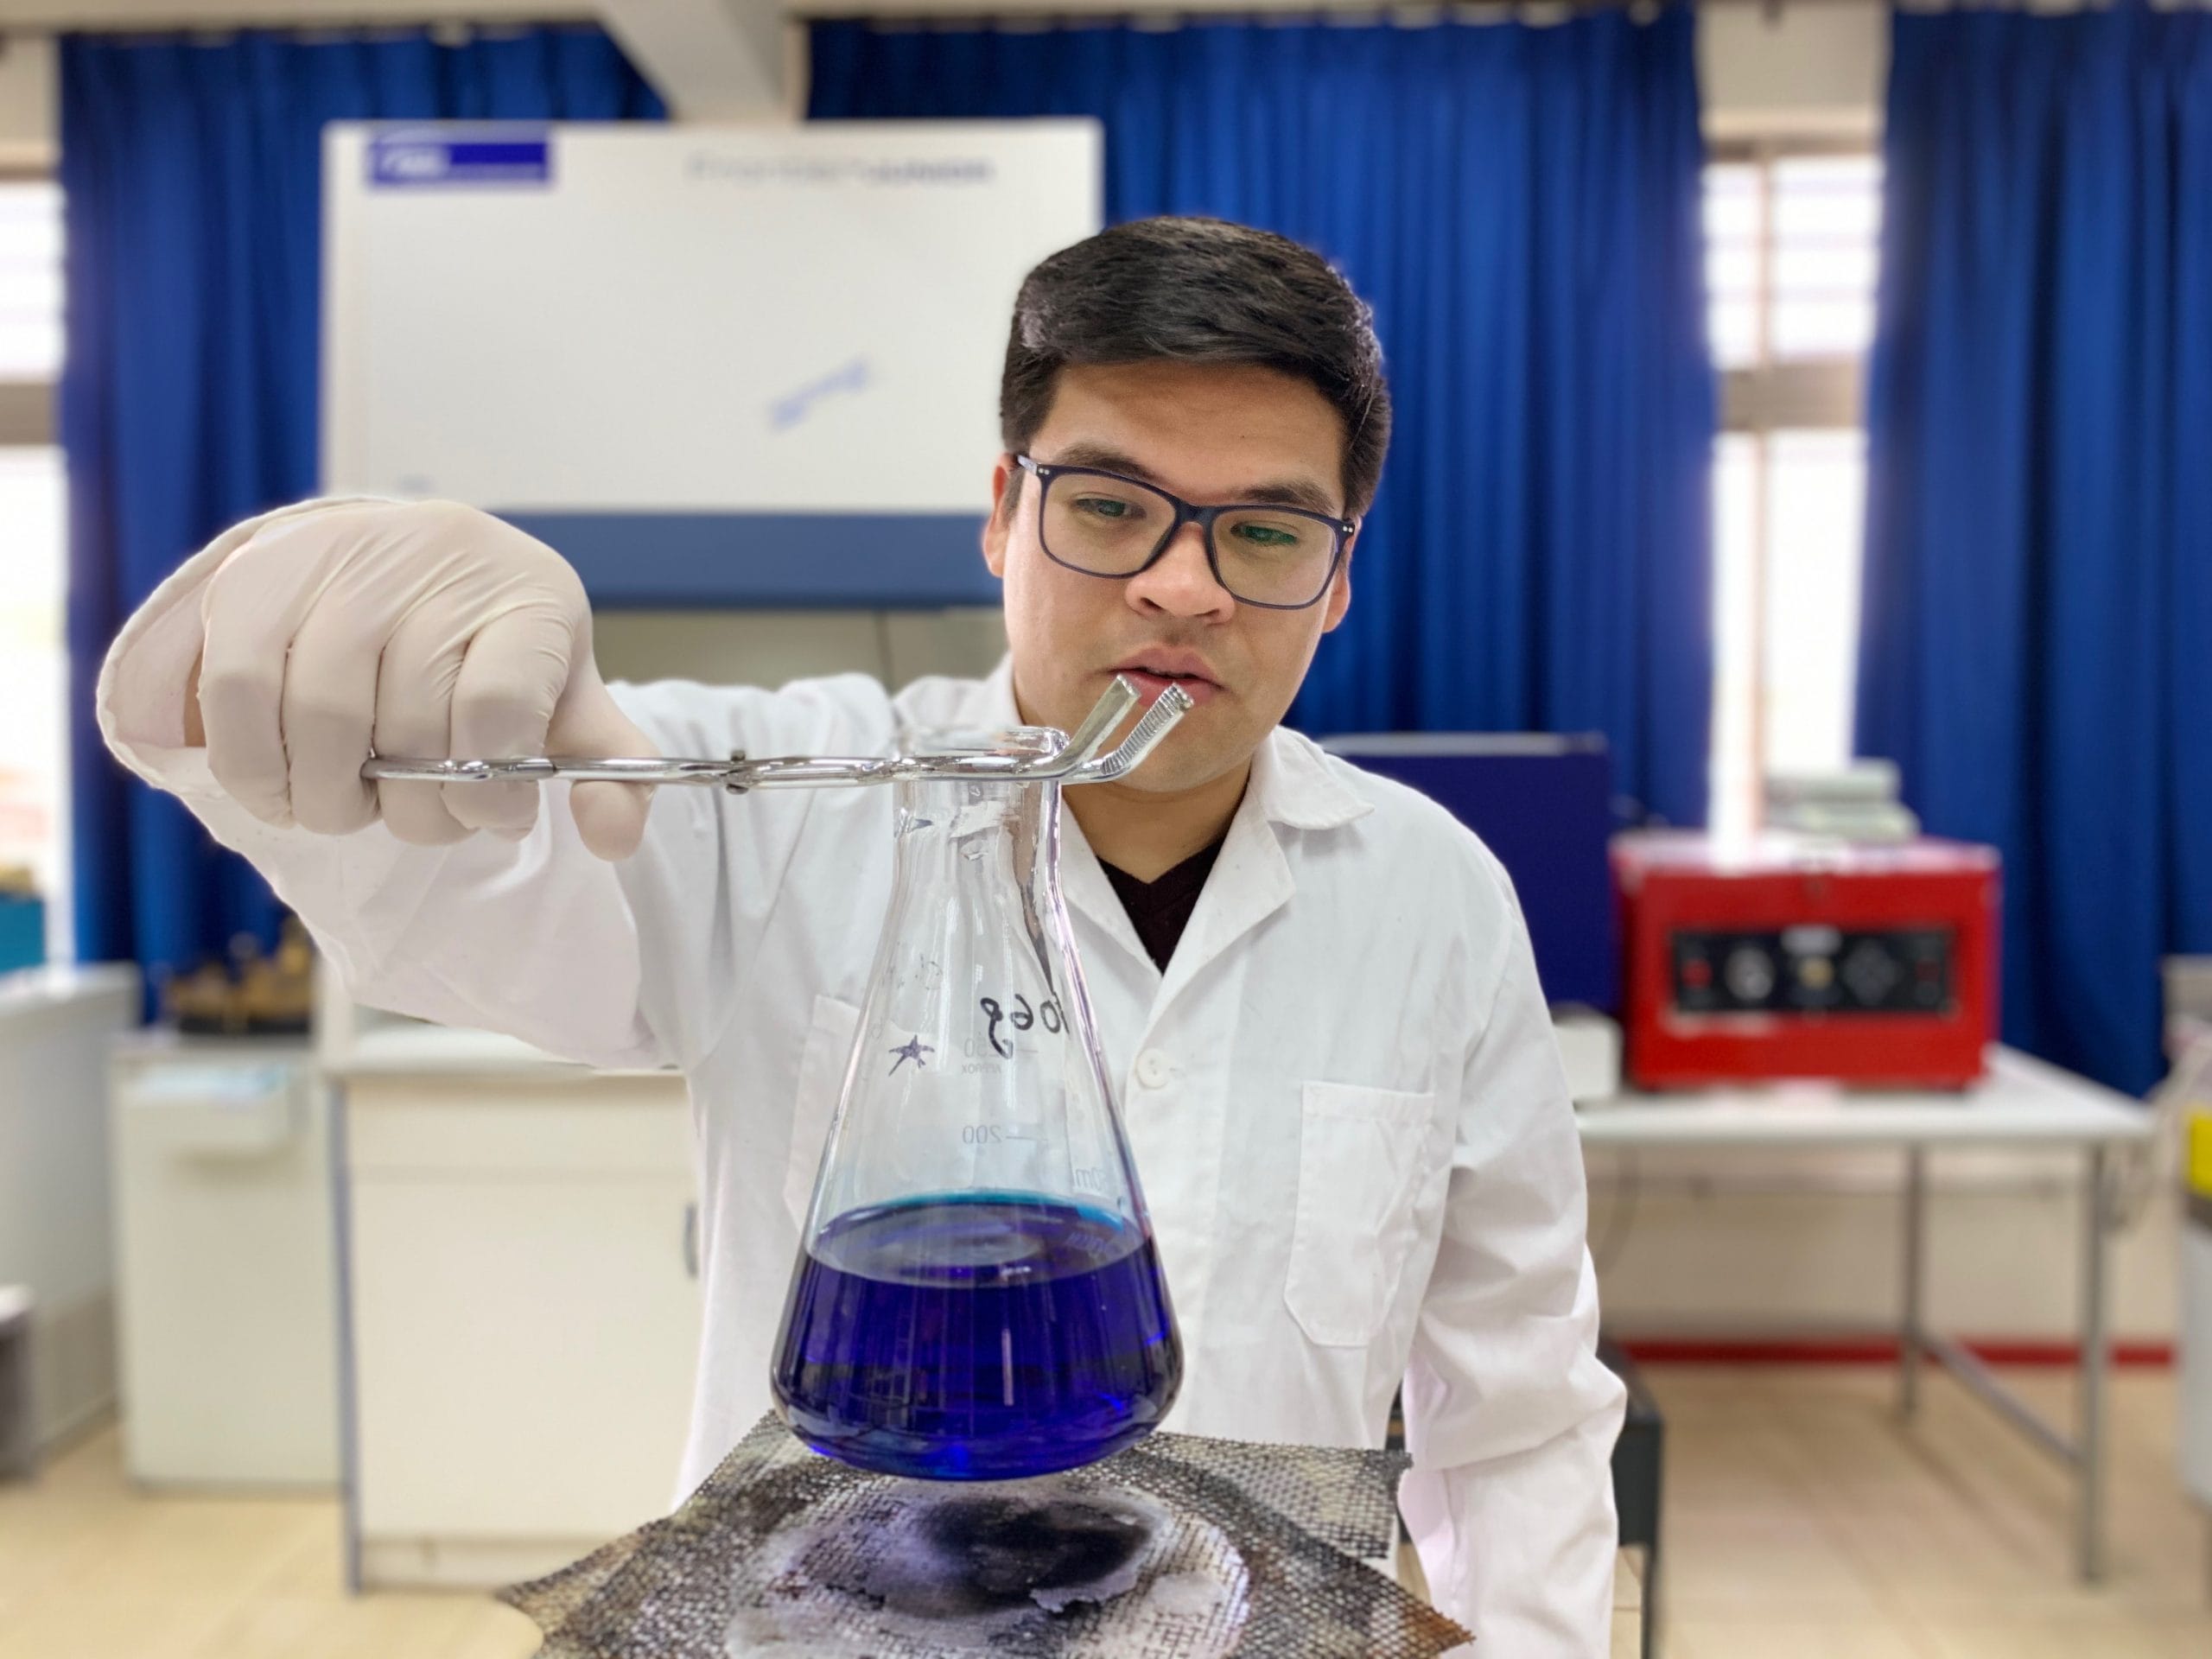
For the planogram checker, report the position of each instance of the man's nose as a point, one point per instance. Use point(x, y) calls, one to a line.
point(1181, 582)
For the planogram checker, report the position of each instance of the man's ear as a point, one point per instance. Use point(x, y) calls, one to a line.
point(1339, 598)
point(1000, 524)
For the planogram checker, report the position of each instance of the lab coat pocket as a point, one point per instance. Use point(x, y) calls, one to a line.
point(1358, 1169)
point(821, 1076)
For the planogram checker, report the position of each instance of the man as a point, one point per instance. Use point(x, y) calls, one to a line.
point(1315, 990)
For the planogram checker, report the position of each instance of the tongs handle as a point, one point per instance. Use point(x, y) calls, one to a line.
point(1075, 761)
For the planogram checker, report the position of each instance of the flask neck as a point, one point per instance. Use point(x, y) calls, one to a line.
point(965, 832)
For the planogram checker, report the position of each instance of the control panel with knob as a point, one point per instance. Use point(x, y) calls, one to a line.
point(1814, 970)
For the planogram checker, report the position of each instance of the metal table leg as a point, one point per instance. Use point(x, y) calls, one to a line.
point(2096, 1358)
point(1916, 1253)
point(2084, 1453)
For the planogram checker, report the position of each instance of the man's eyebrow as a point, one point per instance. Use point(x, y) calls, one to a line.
point(1288, 493)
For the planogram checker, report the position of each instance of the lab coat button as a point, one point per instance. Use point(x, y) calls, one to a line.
point(1154, 1069)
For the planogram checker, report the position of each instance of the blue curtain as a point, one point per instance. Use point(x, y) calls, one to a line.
point(2038, 588)
point(192, 178)
point(1521, 206)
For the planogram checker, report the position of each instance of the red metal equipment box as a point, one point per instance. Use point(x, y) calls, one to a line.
point(1873, 964)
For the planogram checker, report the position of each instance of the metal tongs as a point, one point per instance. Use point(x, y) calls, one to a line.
point(1075, 760)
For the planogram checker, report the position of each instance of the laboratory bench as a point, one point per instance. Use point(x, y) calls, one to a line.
point(2020, 1102)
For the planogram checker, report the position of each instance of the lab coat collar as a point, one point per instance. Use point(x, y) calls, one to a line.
point(1290, 776)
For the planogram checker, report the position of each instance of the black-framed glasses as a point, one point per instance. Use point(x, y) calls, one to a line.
point(1104, 524)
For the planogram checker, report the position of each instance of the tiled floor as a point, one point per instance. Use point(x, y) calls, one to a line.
point(90, 1570)
point(1802, 1523)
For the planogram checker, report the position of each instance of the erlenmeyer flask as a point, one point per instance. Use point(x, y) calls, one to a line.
point(977, 1296)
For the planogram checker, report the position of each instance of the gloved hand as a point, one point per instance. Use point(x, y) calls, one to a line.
point(423, 629)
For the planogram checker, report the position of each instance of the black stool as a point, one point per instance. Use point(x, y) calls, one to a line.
point(1636, 1459)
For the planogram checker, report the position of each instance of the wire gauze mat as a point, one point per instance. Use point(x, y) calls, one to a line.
point(1178, 1548)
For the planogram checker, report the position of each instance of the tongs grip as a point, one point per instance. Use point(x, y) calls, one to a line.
point(1075, 761)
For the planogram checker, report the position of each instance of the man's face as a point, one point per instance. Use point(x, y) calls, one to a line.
point(1211, 434)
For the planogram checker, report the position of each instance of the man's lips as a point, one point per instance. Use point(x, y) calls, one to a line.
point(1154, 672)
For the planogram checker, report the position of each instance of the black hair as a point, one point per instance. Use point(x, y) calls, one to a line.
point(1200, 290)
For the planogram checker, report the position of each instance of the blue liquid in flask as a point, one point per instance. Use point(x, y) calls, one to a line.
point(976, 1336)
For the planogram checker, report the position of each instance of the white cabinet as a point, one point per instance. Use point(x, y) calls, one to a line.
point(523, 1313)
point(224, 1262)
point(55, 1235)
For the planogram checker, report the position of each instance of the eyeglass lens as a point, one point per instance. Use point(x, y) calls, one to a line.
point(1110, 528)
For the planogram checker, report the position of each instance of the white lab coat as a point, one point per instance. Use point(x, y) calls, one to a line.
point(1343, 1095)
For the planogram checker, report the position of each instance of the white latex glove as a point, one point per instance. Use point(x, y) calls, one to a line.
point(423, 629)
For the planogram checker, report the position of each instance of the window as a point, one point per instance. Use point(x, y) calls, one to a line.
point(30, 280)
point(1791, 246)
point(34, 662)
